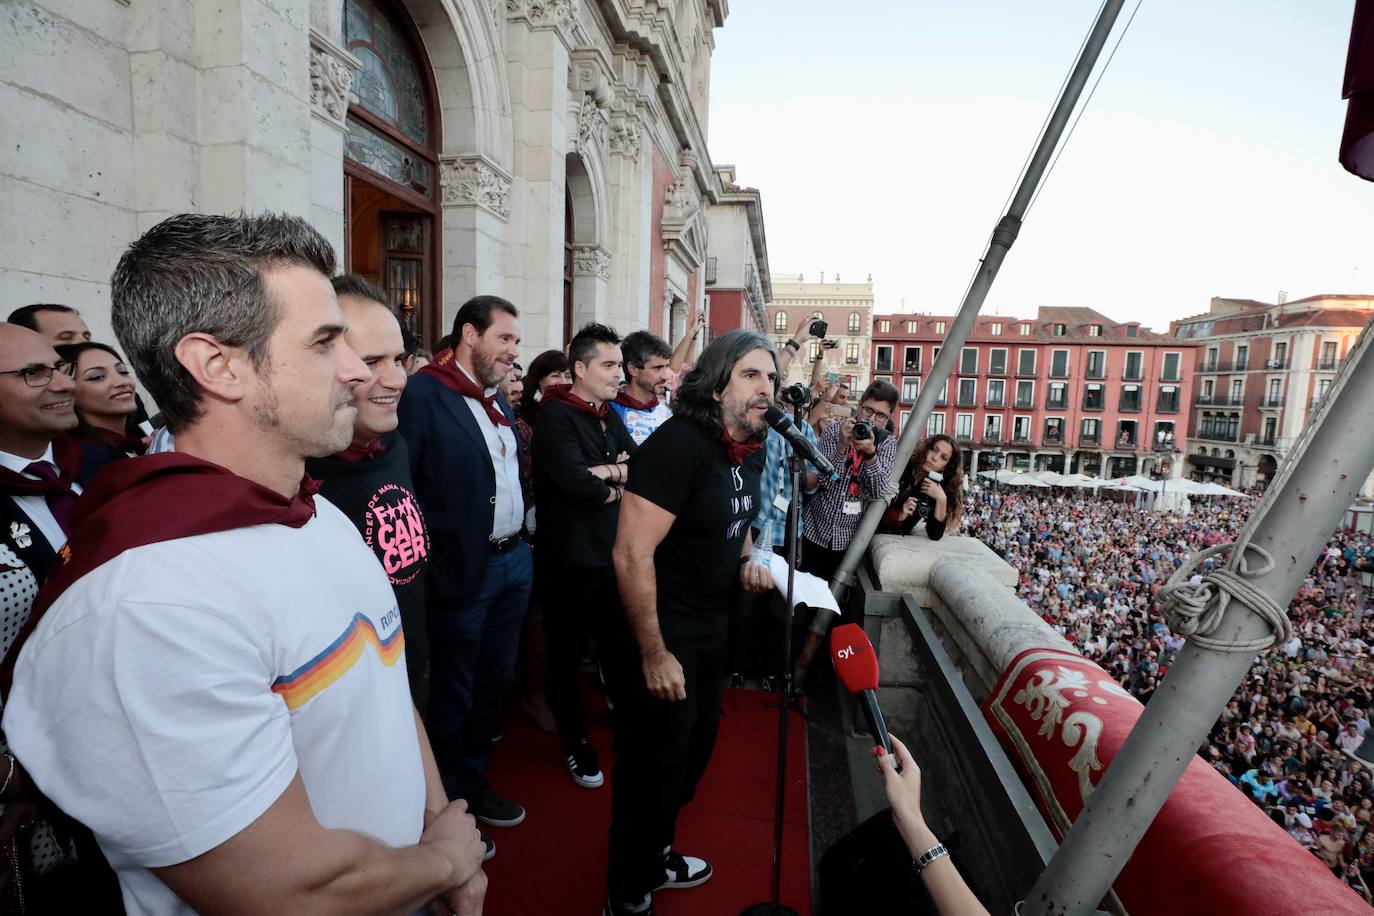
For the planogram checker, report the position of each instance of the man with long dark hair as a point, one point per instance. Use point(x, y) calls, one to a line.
point(683, 537)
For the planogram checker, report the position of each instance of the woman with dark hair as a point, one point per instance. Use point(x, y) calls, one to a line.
point(105, 406)
point(548, 368)
point(939, 454)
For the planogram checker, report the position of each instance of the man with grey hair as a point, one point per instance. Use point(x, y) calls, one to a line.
point(682, 540)
point(241, 709)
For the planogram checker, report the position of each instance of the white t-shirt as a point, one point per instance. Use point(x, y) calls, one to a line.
point(169, 696)
point(642, 423)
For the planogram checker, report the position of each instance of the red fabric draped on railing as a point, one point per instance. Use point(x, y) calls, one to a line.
point(1062, 720)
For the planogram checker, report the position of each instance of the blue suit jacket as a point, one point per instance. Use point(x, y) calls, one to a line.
point(455, 481)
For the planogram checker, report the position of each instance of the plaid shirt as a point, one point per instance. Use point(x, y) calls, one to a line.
point(826, 524)
point(771, 520)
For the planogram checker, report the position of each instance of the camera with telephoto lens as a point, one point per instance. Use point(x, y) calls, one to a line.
point(797, 394)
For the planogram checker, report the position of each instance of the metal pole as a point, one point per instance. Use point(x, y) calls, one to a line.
point(1292, 523)
point(1002, 239)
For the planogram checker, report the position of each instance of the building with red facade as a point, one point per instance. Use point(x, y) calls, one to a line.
point(1069, 390)
point(1260, 368)
point(738, 282)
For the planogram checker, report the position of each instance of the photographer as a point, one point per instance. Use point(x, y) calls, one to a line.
point(863, 452)
point(931, 489)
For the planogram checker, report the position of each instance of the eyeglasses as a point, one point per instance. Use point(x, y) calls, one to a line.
point(868, 413)
point(41, 376)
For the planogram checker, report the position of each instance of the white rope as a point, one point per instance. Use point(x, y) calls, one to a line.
point(1195, 611)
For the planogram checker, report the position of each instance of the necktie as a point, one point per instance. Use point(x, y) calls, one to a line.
point(60, 501)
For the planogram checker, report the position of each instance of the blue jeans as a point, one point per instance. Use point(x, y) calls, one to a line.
point(472, 650)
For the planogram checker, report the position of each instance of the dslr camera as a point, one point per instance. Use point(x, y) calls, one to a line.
point(863, 429)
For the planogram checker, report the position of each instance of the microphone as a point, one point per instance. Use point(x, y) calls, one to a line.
point(857, 666)
point(800, 444)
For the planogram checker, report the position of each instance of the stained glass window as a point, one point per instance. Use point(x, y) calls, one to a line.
point(389, 84)
point(386, 157)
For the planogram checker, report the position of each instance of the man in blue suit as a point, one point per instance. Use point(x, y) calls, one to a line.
point(464, 458)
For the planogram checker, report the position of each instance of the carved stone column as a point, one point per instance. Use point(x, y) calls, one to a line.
point(475, 193)
point(331, 91)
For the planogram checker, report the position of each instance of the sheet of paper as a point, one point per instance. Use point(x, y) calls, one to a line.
point(808, 589)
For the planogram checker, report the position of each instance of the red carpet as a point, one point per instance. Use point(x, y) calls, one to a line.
point(555, 862)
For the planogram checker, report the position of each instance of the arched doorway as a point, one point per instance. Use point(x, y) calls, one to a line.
point(391, 174)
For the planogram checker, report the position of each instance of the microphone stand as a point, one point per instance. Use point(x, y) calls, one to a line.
point(796, 465)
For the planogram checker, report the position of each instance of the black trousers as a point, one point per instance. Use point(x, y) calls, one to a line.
point(819, 561)
point(662, 748)
point(577, 602)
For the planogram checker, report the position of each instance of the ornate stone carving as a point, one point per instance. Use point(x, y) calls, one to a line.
point(473, 181)
point(591, 125)
point(591, 74)
point(589, 260)
point(626, 135)
point(544, 14)
point(331, 79)
point(681, 202)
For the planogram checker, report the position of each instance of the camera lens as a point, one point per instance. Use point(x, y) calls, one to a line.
point(863, 430)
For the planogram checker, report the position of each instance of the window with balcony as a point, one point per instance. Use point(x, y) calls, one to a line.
point(1237, 391)
point(883, 359)
point(1209, 362)
point(1275, 396)
point(963, 426)
point(1025, 394)
point(1164, 435)
point(1090, 432)
point(851, 354)
point(1025, 363)
point(1328, 360)
point(935, 424)
point(1094, 397)
point(780, 321)
point(813, 350)
point(911, 359)
point(992, 429)
point(1126, 434)
point(1280, 355)
point(1021, 429)
point(1205, 396)
point(1130, 398)
point(1054, 431)
point(1097, 364)
point(1271, 431)
point(968, 361)
point(1058, 396)
point(1059, 364)
point(910, 388)
point(1242, 357)
point(997, 362)
point(854, 320)
point(1323, 386)
point(1134, 360)
point(1168, 399)
point(1169, 372)
point(968, 392)
point(943, 399)
point(997, 393)
point(884, 326)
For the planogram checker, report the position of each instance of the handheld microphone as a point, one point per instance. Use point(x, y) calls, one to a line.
point(857, 666)
point(800, 444)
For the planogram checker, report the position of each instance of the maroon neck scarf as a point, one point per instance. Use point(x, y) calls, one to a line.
point(69, 458)
point(564, 395)
point(739, 450)
point(626, 400)
point(355, 453)
point(151, 499)
point(445, 368)
point(98, 435)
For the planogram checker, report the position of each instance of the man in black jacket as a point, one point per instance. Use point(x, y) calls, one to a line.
point(578, 453)
point(370, 480)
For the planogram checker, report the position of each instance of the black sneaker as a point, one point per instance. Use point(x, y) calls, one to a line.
point(490, 808)
point(615, 908)
point(684, 871)
point(489, 844)
point(583, 765)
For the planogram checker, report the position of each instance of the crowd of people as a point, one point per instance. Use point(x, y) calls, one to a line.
point(1091, 564)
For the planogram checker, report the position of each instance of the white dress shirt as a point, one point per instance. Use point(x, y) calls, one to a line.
point(505, 461)
point(36, 507)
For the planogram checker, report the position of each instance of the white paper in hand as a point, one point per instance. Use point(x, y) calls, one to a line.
point(808, 589)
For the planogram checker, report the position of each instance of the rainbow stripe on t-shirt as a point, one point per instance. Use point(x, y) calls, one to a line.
point(301, 685)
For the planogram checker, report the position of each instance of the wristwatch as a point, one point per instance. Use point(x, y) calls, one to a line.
point(938, 851)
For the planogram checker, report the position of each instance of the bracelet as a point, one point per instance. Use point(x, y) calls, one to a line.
point(938, 851)
point(10, 775)
point(792, 345)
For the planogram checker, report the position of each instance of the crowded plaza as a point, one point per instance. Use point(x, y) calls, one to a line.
point(1090, 564)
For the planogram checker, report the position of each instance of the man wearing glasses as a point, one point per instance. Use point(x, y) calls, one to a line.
point(864, 463)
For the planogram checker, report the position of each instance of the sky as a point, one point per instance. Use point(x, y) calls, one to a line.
point(886, 140)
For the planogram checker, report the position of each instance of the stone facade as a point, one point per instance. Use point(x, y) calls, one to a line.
point(537, 108)
point(846, 307)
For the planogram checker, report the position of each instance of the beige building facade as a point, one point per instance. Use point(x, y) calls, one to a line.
point(549, 151)
point(848, 310)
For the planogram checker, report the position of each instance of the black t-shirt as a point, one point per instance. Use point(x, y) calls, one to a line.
point(379, 498)
point(686, 470)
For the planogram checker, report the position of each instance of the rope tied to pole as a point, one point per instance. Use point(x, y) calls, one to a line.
point(1195, 611)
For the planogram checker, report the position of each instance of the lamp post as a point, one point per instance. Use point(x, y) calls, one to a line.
point(1165, 451)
